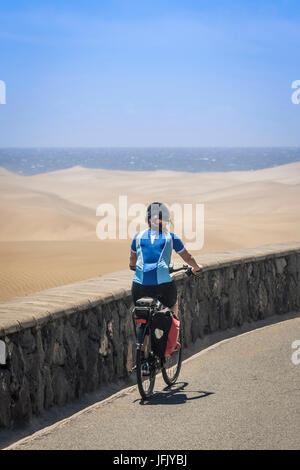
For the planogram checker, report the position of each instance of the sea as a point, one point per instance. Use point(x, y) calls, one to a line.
point(30, 161)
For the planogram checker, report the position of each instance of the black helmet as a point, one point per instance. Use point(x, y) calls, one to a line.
point(159, 209)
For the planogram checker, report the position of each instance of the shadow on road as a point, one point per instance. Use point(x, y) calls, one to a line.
point(175, 395)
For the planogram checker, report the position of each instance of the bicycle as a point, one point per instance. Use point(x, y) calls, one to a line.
point(170, 366)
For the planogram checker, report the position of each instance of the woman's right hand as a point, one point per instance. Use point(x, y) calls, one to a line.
point(196, 270)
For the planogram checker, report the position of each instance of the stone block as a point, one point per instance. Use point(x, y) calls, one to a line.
point(280, 265)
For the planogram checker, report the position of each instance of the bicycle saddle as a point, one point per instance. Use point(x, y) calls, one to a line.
point(145, 302)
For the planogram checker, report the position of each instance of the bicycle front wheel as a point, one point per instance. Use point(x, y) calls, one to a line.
point(145, 382)
point(172, 364)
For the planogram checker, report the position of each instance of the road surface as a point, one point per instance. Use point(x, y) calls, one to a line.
point(242, 393)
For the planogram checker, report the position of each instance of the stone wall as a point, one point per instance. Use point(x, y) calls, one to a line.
point(66, 341)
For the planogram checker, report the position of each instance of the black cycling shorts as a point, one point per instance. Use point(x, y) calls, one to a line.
point(166, 292)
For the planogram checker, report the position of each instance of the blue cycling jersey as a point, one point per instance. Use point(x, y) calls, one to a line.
point(154, 250)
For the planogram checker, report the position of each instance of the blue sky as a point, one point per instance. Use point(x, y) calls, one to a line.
point(149, 73)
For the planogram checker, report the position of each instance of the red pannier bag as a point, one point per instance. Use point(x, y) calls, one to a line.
point(172, 336)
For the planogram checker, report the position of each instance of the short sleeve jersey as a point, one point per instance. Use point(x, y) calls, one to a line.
point(154, 250)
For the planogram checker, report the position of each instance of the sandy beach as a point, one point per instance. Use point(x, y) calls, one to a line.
point(48, 230)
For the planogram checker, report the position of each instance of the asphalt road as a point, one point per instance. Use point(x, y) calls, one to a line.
point(242, 393)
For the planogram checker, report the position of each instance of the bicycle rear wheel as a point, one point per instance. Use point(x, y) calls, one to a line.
point(172, 364)
point(145, 382)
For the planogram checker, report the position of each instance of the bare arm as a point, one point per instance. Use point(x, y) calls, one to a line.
point(190, 260)
point(132, 259)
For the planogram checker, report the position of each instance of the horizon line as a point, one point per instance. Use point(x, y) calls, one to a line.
point(154, 147)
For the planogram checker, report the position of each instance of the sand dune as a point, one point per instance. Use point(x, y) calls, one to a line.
point(288, 174)
point(48, 230)
point(39, 215)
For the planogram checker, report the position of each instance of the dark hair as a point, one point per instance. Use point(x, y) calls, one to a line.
point(159, 209)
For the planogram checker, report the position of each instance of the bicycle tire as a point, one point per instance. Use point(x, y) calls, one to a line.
point(145, 383)
point(171, 365)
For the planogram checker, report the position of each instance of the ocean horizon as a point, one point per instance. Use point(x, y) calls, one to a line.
point(36, 160)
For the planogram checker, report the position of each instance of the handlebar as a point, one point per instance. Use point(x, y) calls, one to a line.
point(185, 267)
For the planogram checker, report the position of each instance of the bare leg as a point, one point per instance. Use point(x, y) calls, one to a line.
point(175, 308)
point(145, 346)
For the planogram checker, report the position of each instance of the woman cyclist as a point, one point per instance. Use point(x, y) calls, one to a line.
point(150, 257)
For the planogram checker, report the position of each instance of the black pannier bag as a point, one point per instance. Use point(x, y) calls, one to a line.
point(161, 325)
